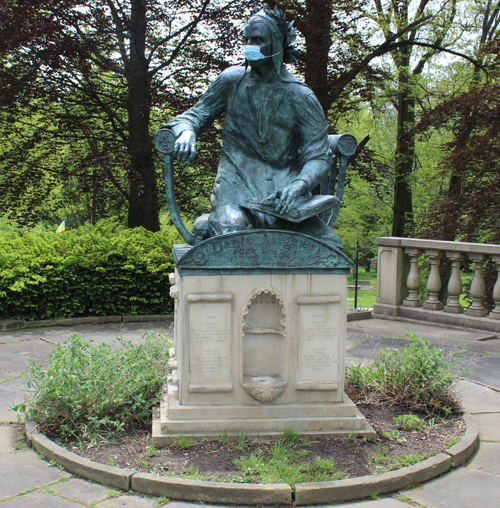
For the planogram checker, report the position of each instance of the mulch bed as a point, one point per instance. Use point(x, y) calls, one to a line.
point(215, 459)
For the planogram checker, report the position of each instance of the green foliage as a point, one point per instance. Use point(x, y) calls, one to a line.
point(283, 465)
point(183, 442)
point(419, 374)
point(383, 461)
point(394, 435)
point(409, 422)
point(93, 391)
point(98, 270)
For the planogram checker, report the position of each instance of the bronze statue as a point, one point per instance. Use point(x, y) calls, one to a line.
point(275, 145)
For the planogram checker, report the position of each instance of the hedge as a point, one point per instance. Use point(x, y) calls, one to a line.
point(96, 270)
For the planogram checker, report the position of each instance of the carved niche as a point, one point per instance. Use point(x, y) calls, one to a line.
point(263, 346)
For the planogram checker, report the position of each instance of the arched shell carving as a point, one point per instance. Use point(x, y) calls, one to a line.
point(265, 311)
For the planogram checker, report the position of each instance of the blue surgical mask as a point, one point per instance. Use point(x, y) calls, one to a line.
point(252, 53)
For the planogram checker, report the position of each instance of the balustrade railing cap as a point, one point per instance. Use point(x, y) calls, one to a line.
point(418, 243)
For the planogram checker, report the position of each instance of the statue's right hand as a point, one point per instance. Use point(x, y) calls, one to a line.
point(185, 147)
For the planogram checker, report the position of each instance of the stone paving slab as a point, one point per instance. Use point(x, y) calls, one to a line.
point(7, 398)
point(81, 490)
point(8, 438)
point(426, 331)
point(487, 459)
point(477, 398)
point(23, 470)
point(489, 427)
point(485, 370)
point(39, 499)
point(15, 355)
point(379, 503)
point(132, 502)
point(463, 488)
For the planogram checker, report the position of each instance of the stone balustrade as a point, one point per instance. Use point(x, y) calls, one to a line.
point(399, 280)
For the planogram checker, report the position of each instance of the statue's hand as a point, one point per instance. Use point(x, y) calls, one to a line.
point(285, 198)
point(185, 147)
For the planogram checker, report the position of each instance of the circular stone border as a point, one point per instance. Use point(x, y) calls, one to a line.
point(251, 493)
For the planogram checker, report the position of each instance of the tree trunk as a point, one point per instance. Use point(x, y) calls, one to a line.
point(143, 202)
point(405, 153)
point(318, 40)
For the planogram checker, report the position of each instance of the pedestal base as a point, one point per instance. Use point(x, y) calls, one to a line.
point(336, 420)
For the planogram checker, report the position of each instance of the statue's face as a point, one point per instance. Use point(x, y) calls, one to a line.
point(256, 35)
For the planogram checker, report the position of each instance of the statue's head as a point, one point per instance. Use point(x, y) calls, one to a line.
point(273, 35)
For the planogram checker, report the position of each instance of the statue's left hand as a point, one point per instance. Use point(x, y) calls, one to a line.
point(285, 198)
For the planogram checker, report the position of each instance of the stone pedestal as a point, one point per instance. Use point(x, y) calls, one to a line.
point(259, 348)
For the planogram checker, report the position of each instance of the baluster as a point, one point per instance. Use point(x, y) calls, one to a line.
point(434, 281)
point(477, 288)
point(455, 286)
point(413, 280)
point(495, 313)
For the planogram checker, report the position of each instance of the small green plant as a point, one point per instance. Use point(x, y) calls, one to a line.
point(284, 463)
point(419, 374)
point(110, 462)
point(114, 494)
point(409, 422)
point(352, 436)
point(183, 442)
point(453, 441)
point(394, 435)
point(94, 391)
point(243, 442)
point(163, 500)
point(290, 437)
point(193, 474)
point(224, 438)
point(384, 462)
point(150, 450)
point(143, 463)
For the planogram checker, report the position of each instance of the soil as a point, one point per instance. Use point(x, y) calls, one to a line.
point(212, 459)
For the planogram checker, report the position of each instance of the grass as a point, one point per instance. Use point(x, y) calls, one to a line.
point(382, 462)
point(283, 464)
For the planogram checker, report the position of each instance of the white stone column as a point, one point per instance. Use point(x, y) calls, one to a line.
point(455, 286)
point(495, 313)
point(413, 280)
point(434, 281)
point(477, 288)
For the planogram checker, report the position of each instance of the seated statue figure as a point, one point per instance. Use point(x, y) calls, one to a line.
point(274, 142)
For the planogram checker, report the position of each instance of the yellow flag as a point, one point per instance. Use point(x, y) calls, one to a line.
point(62, 227)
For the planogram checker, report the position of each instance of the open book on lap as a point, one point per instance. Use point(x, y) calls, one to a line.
point(304, 208)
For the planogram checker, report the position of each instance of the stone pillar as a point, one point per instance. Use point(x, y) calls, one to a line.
point(434, 281)
point(413, 280)
point(495, 313)
point(393, 268)
point(454, 284)
point(477, 288)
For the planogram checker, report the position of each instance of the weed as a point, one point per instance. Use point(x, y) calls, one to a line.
point(394, 435)
point(290, 437)
point(243, 443)
point(150, 450)
point(193, 474)
point(453, 441)
point(419, 374)
point(143, 463)
point(110, 462)
point(19, 445)
point(383, 462)
point(94, 391)
point(114, 493)
point(351, 436)
point(163, 500)
point(183, 442)
point(224, 438)
point(409, 422)
point(282, 464)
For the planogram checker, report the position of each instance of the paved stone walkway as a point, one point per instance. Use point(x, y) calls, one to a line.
point(28, 481)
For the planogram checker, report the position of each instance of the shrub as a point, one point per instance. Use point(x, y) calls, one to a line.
point(92, 391)
point(98, 270)
point(419, 375)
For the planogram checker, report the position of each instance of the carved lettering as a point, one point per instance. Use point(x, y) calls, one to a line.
point(210, 343)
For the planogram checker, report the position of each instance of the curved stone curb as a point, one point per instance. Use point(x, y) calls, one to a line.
point(7, 325)
point(461, 451)
point(255, 494)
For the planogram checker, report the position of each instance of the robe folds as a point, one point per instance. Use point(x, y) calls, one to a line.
point(271, 130)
